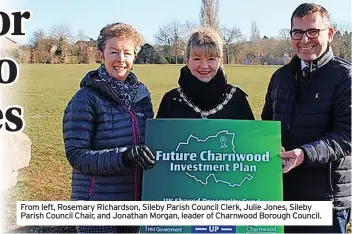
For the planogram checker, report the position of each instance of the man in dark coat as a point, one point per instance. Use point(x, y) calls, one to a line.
point(311, 96)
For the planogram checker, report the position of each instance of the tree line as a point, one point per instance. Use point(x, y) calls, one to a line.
point(59, 45)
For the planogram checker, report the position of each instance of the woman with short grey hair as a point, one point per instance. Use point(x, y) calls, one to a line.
point(104, 126)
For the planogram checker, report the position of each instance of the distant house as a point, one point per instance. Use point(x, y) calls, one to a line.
point(86, 46)
point(9, 43)
point(256, 59)
point(48, 45)
point(7, 46)
point(44, 51)
point(85, 51)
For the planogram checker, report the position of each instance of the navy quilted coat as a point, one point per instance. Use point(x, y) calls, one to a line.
point(316, 118)
point(97, 127)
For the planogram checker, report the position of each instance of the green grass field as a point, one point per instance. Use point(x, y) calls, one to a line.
point(44, 91)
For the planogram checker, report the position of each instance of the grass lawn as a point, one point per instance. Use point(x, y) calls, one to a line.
point(44, 90)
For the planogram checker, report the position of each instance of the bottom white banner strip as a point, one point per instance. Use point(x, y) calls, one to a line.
point(185, 213)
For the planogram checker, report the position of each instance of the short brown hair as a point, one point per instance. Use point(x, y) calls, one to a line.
point(207, 39)
point(120, 30)
point(310, 8)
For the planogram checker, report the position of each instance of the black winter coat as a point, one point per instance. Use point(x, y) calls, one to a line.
point(316, 117)
point(173, 106)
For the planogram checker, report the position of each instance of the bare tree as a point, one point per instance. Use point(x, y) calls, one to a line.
point(170, 36)
point(83, 49)
point(81, 36)
point(342, 27)
point(164, 38)
point(61, 32)
point(209, 13)
point(230, 35)
point(36, 37)
point(40, 47)
point(189, 26)
point(284, 34)
point(255, 34)
point(284, 42)
point(341, 43)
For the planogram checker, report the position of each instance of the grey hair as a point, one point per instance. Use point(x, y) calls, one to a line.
point(120, 30)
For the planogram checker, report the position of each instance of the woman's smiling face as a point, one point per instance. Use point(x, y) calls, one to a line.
point(202, 65)
point(118, 57)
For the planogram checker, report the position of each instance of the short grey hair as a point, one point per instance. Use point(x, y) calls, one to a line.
point(120, 30)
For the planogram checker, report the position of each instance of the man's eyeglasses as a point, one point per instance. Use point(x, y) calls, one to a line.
point(312, 33)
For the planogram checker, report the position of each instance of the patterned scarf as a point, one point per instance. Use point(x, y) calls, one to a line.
point(125, 90)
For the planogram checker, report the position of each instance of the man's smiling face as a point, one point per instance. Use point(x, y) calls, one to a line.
point(309, 49)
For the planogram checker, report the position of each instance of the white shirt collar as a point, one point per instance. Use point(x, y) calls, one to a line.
point(303, 65)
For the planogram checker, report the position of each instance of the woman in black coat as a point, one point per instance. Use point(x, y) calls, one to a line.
point(204, 91)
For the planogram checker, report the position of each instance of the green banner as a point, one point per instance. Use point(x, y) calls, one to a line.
point(214, 160)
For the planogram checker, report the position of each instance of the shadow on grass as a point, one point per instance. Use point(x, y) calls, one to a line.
point(45, 229)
